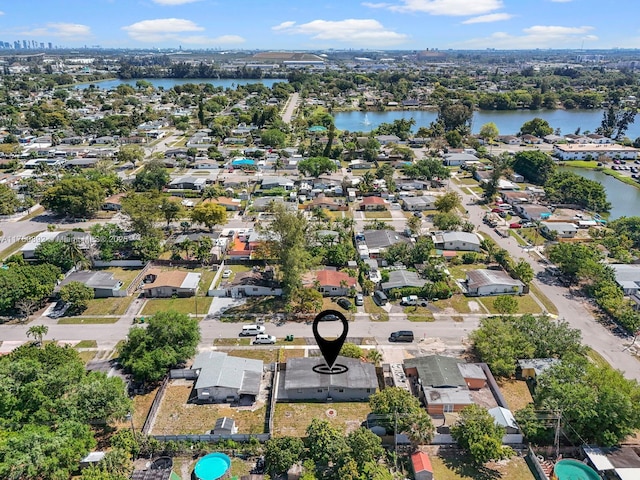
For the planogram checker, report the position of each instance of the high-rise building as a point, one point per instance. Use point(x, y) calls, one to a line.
point(16, 44)
point(24, 44)
point(50, 45)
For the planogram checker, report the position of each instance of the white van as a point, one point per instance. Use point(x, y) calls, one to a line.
point(251, 330)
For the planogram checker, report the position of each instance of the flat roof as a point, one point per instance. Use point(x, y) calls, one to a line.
point(300, 374)
point(589, 147)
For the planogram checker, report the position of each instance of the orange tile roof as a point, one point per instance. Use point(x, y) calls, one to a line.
point(372, 201)
point(421, 462)
point(333, 278)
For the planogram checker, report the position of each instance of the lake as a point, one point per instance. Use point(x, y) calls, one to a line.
point(508, 122)
point(168, 83)
point(624, 198)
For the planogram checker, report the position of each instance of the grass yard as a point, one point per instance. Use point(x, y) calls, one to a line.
point(180, 305)
point(376, 312)
point(596, 358)
point(87, 320)
point(621, 177)
point(521, 241)
point(287, 353)
point(516, 393)
point(141, 407)
point(531, 235)
point(418, 314)
point(86, 356)
point(86, 344)
point(108, 306)
point(460, 271)
point(35, 213)
point(294, 418)
point(266, 353)
point(383, 214)
point(125, 275)
point(176, 416)
point(254, 306)
point(543, 299)
point(232, 342)
point(467, 181)
point(461, 468)
point(581, 163)
point(526, 304)
point(457, 302)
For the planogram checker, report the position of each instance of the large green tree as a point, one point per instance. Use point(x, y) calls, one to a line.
point(427, 169)
point(153, 176)
point(537, 127)
point(325, 443)
point(534, 165)
point(316, 166)
point(404, 413)
point(26, 283)
point(209, 214)
point(478, 434)
point(281, 453)
point(74, 196)
point(169, 339)
point(8, 200)
point(77, 296)
point(571, 188)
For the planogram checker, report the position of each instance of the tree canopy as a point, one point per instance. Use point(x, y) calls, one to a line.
point(568, 187)
point(169, 339)
point(74, 196)
point(316, 166)
point(153, 176)
point(427, 169)
point(26, 283)
point(537, 127)
point(534, 165)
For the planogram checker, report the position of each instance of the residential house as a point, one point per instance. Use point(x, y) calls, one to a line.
point(83, 239)
point(387, 139)
point(627, 277)
point(326, 203)
point(516, 177)
point(492, 282)
point(373, 203)
point(113, 203)
point(599, 139)
point(373, 243)
point(229, 204)
point(532, 213)
point(419, 204)
point(102, 283)
point(509, 139)
point(222, 378)
point(253, 284)
point(268, 183)
point(262, 204)
point(552, 138)
point(503, 417)
point(591, 151)
point(531, 139)
point(561, 229)
point(403, 278)
point(188, 183)
point(462, 241)
point(578, 139)
point(421, 466)
point(303, 383)
point(205, 164)
point(81, 163)
point(457, 159)
point(514, 198)
point(444, 384)
point(331, 283)
point(169, 283)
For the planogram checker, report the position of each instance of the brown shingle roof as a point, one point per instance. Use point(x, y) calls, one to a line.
point(172, 278)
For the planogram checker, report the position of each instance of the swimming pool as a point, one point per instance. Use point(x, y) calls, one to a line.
point(238, 162)
point(574, 470)
point(212, 466)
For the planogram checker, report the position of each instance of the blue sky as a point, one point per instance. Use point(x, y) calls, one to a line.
point(309, 25)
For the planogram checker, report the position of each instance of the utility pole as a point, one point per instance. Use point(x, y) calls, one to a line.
point(556, 440)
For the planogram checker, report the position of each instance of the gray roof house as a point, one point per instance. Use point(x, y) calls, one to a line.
point(82, 238)
point(457, 241)
point(226, 379)
point(492, 282)
point(627, 277)
point(188, 183)
point(562, 229)
point(380, 240)
point(504, 418)
point(301, 382)
point(457, 159)
point(403, 278)
point(532, 367)
point(413, 204)
point(102, 283)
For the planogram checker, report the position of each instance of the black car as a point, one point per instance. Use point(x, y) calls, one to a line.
point(344, 303)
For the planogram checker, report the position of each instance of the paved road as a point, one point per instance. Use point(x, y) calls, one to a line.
point(572, 309)
point(290, 107)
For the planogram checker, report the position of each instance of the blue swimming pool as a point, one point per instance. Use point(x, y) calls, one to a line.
point(574, 470)
point(212, 466)
point(238, 162)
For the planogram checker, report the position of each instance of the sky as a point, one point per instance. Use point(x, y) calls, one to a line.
point(321, 25)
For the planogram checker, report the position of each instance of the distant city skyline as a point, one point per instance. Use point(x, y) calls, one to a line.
point(299, 25)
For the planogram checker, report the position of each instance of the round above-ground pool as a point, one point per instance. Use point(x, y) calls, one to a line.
point(212, 466)
point(574, 470)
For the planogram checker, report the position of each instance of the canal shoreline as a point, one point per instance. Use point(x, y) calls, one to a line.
point(593, 165)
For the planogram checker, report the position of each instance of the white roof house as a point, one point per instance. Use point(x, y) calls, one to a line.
point(492, 282)
point(222, 377)
point(627, 277)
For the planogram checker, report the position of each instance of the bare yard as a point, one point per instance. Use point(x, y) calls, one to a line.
point(176, 416)
point(294, 418)
point(516, 393)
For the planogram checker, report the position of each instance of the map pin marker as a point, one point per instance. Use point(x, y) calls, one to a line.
point(330, 349)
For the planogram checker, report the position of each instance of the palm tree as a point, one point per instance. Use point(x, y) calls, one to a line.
point(375, 357)
point(489, 247)
point(278, 165)
point(75, 253)
point(37, 332)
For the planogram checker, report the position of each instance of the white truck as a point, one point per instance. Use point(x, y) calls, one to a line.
point(413, 301)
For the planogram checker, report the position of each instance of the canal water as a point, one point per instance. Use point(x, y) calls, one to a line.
point(624, 198)
point(168, 83)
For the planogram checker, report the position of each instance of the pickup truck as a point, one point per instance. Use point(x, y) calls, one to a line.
point(413, 301)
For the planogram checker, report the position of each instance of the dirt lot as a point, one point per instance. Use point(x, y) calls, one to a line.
point(516, 393)
point(176, 416)
point(459, 468)
point(294, 418)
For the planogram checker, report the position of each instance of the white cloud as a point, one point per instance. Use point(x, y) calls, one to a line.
point(174, 2)
point(1, 13)
point(492, 17)
point(449, 7)
point(60, 30)
point(176, 30)
point(537, 36)
point(365, 32)
point(376, 5)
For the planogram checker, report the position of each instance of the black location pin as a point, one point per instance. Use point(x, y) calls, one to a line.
point(330, 349)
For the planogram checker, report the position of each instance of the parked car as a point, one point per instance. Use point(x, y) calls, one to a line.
point(401, 336)
point(497, 210)
point(417, 214)
point(413, 301)
point(264, 339)
point(528, 225)
point(344, 303)
point(515, 225)
point(227, 273)
point(251, 330)
point(359, 300)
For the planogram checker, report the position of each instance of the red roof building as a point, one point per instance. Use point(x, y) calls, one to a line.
point(373, 203)
point(421, 465)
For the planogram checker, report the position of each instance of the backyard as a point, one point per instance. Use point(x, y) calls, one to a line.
point(176, 416)
point(461, 468)
point(292, 419)
point(526, 304)
point(516, 393)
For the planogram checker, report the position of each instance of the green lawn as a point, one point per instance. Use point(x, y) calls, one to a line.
point(580, 163)
point(531, 235)
point(86, 344)
point(418, 314)
point(87, 320)
point(458, 302)
point(266, 353)
point(254, 306)
point(86, 356)
point(382, 214)
point(461, 468)
point(596, 358)
point(467, 181)
point(187, 305)
point(108, 306)
point(526, 304)
point(518, 238)
point(125, 275)
point(621, 177)
point(376, 313)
